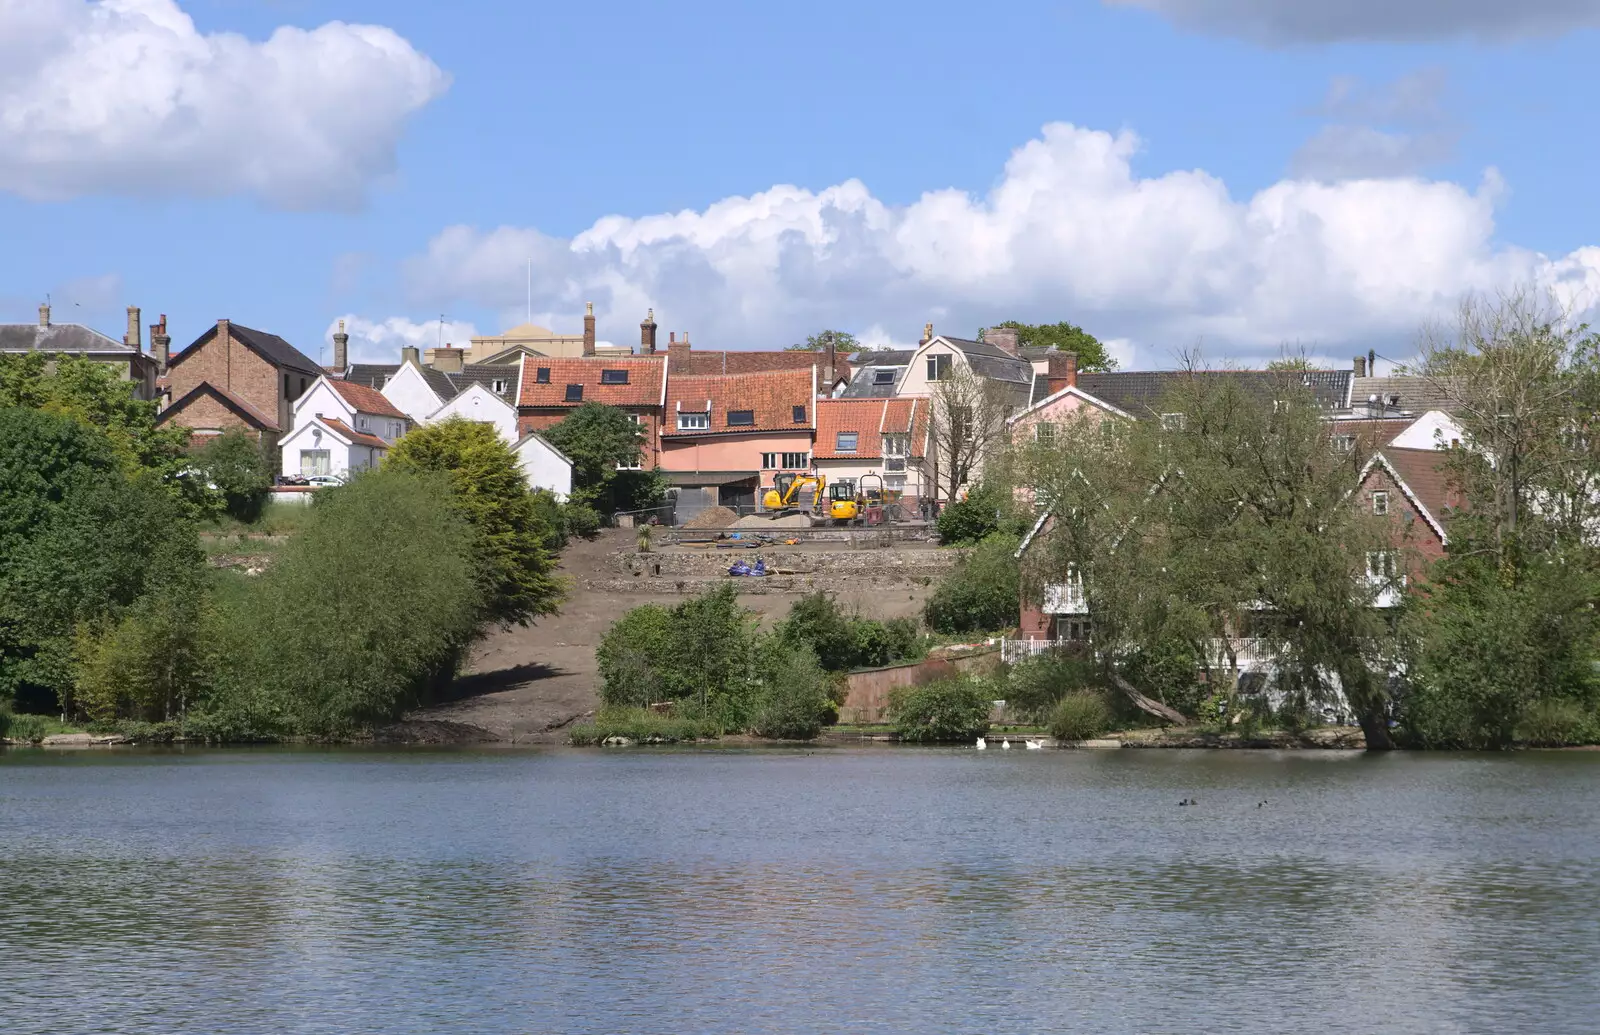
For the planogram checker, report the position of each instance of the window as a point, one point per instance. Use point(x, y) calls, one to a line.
point(286, 394)
point(797, 460)
point(315, 461)
point(741, 418)
point(799, 414)
point(499, 387)
point(895, 444)
point(574, 393)
point(1044, 432)
point(1380, 503)
point(938, 367)
point(380, 380)
point(785, 461)
point(883, 377)
point(1381, 564)
point(396, 430)
point(1344, 443)
point(613, 377)
point(542, 375)
point(694, 421)
point(845, 442)
point(302, 386)
point(1174, 421)
point(1074, 629)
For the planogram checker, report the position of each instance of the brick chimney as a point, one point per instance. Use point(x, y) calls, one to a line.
point(927, 334)
point(647, 333)
point(132, 337)
point(160, 344)
point(341, 348)
point(411, 354)
point(1003, 338)
point(448, 359)
point(44, 314)
point(1360, 366)
point(833, 363)
point(588, 328)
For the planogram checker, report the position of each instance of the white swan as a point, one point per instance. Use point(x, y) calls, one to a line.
point(983, 745)
point(1006, 744)
point(1035, 745)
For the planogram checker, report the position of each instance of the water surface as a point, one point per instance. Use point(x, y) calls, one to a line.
point(790, 891)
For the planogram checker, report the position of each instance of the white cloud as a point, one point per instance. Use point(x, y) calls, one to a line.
point(380, 341)
point(1069, 232)
point(1342, 152)
point(127, 97)
point(1328, 21)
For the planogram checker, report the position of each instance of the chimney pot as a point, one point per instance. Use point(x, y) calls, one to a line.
point(927, 334)
point(160, 344)
point(1072, 369)
point(647, 333)
point(1360, 366)
point(132, 337)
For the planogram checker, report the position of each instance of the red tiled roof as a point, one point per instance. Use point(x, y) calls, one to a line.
point(352, 434)
point(365, 399)
point(771, 396)
point(1425, 473)
point(688, 361)
point(645, 374)
point(870, 419)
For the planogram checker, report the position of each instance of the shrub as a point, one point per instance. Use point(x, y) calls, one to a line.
point(984, 511)
point(794, 698)
point(1036, 684)
point(27, 728)
point(642, 726)
point(1080, 715)
point(980, 594)
point(1557, 722)
point(1169, 672)
point(630, 657)
point(580, 520)
point(238, 467)
point(701, 650)
point(905, 639)
point(945, 710)
point(842, 641)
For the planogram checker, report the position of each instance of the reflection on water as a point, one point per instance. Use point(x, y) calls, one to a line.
point(733, 891)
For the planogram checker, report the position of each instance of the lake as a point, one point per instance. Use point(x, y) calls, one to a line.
point(774, 890)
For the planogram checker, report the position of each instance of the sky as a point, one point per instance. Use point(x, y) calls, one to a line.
point(1237, 177)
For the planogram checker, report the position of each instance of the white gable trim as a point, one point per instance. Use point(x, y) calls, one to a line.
point(315, 422)
point(1378, 459)
point(1072, 390)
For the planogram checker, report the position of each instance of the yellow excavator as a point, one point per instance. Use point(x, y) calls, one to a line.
point(854, 502)
point(789, 488)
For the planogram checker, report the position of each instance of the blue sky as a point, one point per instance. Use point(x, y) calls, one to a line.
point(1237, 174)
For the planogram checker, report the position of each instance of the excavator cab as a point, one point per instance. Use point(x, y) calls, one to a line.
point(843, 503)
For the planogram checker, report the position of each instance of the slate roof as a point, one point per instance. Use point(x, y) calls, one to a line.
point(870, 419)
point(445, 386)
point(884, 357)
point(249, 413)
point(991, 362)
point(1417, 394)
point(645, 378)
point(71, 338)
point(366, 399)
point(771, 395)
point(1141, 391)
point(359, 437)
point(269, 346)
point(486, 374)
point(863, 383)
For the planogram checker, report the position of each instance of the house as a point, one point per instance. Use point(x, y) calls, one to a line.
point(126, 357)
point(549, 389)
point(723, 437)
point(422, 390)
point(543, 465)
point(234, 376)
point(1414, 490)
point(476, 403)
point(327, 446)
point(685, 359)
point(363, 408)
point(873, 439)
point(1142, 393)
point(1038, 422)
point(937, 355)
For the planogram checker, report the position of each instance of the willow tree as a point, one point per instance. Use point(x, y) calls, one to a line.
point(1227, 520)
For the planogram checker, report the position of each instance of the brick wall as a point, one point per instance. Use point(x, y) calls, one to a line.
point(1418, 544)
point(229, 364)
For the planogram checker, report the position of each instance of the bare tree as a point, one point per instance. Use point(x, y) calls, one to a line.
point(966, 425)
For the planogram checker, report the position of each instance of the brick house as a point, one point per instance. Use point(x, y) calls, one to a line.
point(237, 377)
point(1414, 490)
point(550, 388)
point(880, 438)
point(725, 436)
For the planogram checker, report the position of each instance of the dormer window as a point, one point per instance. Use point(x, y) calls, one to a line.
point(938, 367)
point(845, 442)
point(574, 393)
point(542, 375)
point(613, 377)
point(689, 421)
point(499, 387)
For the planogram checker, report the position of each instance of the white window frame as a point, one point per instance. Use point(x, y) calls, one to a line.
point(896, 444)
point(1380, 503)
point(939, 365)
point(840, 436)
point(326, 456)
point(1382, 564)
point(694, 420)
point(1044, 432)
point(1174, 421)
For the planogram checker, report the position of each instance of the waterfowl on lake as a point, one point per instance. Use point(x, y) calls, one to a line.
point(1034, 745)
point(982, 744)
point(1006, 744)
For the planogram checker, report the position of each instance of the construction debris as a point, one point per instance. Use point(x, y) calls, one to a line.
point(713, 517)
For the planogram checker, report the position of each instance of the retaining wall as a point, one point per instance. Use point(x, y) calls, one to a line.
point(868, 697)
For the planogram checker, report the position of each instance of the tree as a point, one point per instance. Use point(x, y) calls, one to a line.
point(966, 424)
point(239, 468)
point(510, 530)
point(600, 439)
point(981, 593)
point(1068, 337)
point(843, 342)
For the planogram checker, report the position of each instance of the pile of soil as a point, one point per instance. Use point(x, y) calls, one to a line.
point(712, 517)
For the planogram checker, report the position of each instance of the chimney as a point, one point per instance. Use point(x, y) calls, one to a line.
point(1071, 364)
point(448, 360)
point(160, 344)
point(927, 334)
point(1361, 366)
point(341, 348)
point(1002, 338)
point(833, 361)
point(411, 354)
point(44, 314)
point(1372, 362)
point(132, 337)
point(647, 333)
point(588, 328)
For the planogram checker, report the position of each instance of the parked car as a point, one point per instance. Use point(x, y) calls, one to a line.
point(324, 479)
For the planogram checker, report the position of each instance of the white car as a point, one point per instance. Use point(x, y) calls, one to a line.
point(323, 479)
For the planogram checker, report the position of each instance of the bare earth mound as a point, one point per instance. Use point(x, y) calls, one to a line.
point(712, 517)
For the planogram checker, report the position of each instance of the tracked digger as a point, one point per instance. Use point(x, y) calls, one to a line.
point(789, 489)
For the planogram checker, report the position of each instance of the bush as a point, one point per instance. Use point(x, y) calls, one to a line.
point(237, 465)
point(1080, 715)
point(642, 726)
point(1169, 672)
point(27, 728)
point(984, 511)
point(945, 710)
point(700, 651)
point(1035, 685)
point(1557, 722)
point(841, 641)
point(630, 655)
point(794, 699)
point(981, 593)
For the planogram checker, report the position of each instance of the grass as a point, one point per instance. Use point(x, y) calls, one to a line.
point(642, 726)
point(276, 519)
point(33, 728)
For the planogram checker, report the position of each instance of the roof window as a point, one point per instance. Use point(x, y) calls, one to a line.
point(882, 376)
point(845, 442)
point(799, 414)
point(542, 375)
point(741, 418)
point(613, 377)
point(574, 393)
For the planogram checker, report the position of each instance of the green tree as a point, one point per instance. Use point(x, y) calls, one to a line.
point(1068, 337)
point(600, 439)
point(988, 508)
point(945, 710)
point(700, 653)
point(239, 468)
point(364, 614)
point(843, 341)
point(982, 593)
point(510, 531)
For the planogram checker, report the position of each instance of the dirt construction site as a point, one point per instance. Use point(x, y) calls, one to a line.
point(525, 685)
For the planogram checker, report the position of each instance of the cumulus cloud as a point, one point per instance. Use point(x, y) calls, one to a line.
point(1385, 130)
point(1068, 232)
point(128, 97)
point(1331, 21)
point(380, 341)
